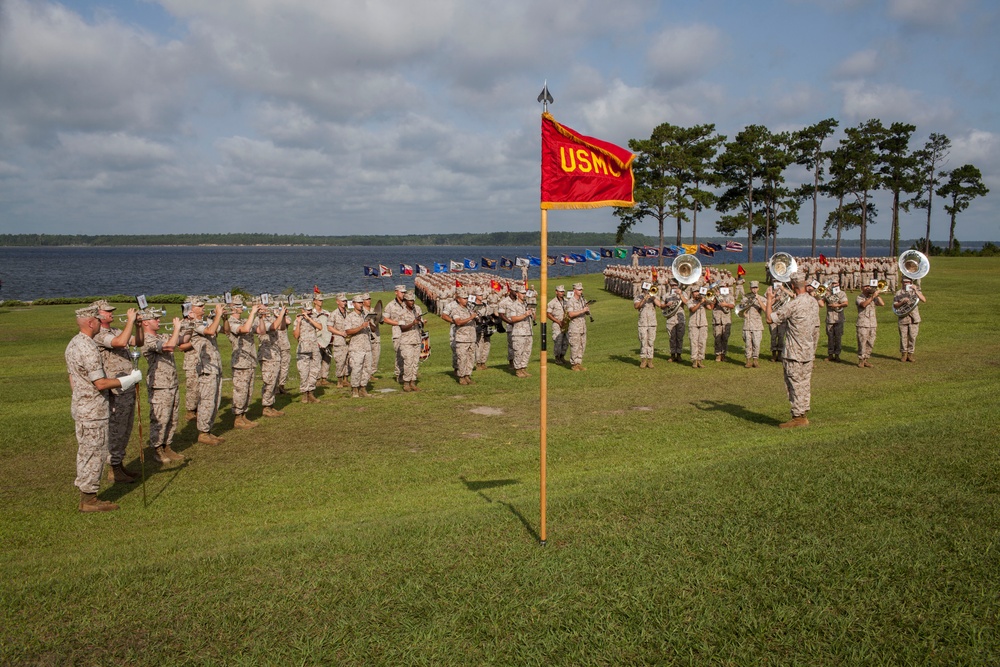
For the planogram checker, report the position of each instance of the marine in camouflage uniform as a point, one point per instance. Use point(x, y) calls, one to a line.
point(555, 311)
point(162, 387)
point(518, 316)
point(697, 325)
point(359, 347)
point(243, 362)
point(375, 334)
point(409, 341)
point(801, 317)
point(722, 322)
point(673, 315)
point(337, 324)
point(867, 324)
point(113, 344)
point(270, 327)
point(391, 315)
point(203, 337)
point(307, 354)
point(647, 303)
point(464, 321)
point(909, 324)
point(577, 310)
point(835, 300)
point(753, 325)
point(90, 408)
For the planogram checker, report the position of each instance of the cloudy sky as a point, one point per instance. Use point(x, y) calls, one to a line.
point(393, 116)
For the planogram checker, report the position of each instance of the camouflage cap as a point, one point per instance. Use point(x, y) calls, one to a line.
point(577, 285)
point(86, 311)
point(461, 292)
point(341, 296)
point(410, 296)
point(560, 288)
point(400, 288)
point(358, 298)
point(754, 283)
point(101, 304)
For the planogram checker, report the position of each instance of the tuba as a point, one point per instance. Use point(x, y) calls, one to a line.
point(686, 269)
point(782, 266)
point(914, 264)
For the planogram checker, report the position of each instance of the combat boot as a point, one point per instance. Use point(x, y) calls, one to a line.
point(171, 454)
point(642, 363)
point(159, 456)
point(868, 364)
point(718, 358)
point(191, 415)
point(756, 363)
point(355, 393)
point(406, 388)
point(90, 503)
point(281, 389)
point(795, 422)
point(242, 422)
point(362, 392)
point(209, 439)
point(117, 473)
point(748, 364)
point(909, 356)
point(322, 382)
point(271, 412)
point(413, 386)
point(649, 363)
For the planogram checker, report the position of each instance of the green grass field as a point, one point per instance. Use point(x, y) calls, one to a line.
point(683, 525)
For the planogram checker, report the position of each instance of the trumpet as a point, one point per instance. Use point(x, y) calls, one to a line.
point(882, 286)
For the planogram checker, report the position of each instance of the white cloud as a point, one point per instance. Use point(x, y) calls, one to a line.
point(115, 151)
point(858, 64)
point(58, 72)
point(976, 147)
point(889, 102)
point(682, 53)
point(927, 13)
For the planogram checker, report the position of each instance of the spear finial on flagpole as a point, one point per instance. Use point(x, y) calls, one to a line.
point(545, 97)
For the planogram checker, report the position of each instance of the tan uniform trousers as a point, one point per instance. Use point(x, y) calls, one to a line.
point(163, 405)
point(191, 381)
point(325, 359)
point(120, 423)
point(242, 389)
point(465, 357)
point(209, 397)
point(375, 355)
point(647, 337)
point(483, 345)
point(908, 335)
point(91, 454)
point(409, 360)
point(798, 378)
point(577, 346)
point(751, 343)
point(270, 374)
point(286, 357)
point(866, 342)
point(341, 361)
point(699, 337)
point(777, 337)
point(360, 356)
point(307, 364)
point(522, 351)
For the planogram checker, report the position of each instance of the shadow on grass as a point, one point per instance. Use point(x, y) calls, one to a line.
point(632, 361)
point(152, 470)
point(737, 411)
point(478, 487)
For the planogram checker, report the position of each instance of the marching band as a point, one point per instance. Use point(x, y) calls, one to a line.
point(347, 340)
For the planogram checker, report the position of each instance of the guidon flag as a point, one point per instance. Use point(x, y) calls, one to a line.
point(583, 172)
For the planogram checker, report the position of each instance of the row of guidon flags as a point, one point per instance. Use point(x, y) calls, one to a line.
point(455, 266)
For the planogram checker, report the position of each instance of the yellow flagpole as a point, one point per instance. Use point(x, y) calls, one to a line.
point(544, 371)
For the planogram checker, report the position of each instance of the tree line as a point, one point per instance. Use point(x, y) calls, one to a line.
point(680, 171)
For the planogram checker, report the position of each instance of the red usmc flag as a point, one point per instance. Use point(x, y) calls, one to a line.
point(583, 172)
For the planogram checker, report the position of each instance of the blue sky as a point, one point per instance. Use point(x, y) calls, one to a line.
point(384, 117)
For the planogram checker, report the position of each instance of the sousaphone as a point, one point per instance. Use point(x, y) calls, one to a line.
point(686, 269)
point(914, 265)
point(782, 266)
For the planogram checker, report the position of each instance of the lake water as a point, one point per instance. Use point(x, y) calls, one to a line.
point(33, 273)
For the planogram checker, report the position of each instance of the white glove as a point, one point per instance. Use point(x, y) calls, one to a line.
point(130, 380)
